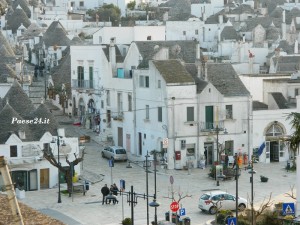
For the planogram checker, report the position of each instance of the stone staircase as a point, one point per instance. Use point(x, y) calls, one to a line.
point(37, 92)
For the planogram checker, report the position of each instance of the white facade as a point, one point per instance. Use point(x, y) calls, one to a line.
point(207, 9)
point(126, 35)
point(29, 160)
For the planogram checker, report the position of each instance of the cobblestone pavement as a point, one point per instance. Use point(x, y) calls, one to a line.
point(87, 209)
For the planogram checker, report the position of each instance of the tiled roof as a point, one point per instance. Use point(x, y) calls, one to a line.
point(284, 45)
point(242, 9)
point(259, 105)
point(17, 18)
point(119, 57)
point(265, 21)
point(295, 12)
point(287, 63)
point(229, 33)
point(271, 4)
point(56, 35)
point(200, 83)
point(173, 71)
point(7, 127)
point(214, 19)
point(32, 31)
point(38, 130)
point(272, 33)
point(6, 52)
point(280, 100)
point(225, 79)
point(18, 99)
point(183, 50)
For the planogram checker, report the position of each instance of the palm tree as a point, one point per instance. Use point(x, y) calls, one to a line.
point(294, 140)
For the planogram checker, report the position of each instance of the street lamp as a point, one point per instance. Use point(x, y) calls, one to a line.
point(57, 140)
point(146, 165)
point(154, 203)
point(251, 171)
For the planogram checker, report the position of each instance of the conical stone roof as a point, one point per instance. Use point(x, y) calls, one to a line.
point(46, 122)
point(24, 5)
point(5, 48)
point(56, 35)
point(9, 125)
point(18, 100)
point(17, 18)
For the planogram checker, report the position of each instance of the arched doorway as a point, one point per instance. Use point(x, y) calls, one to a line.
point(276, 147)
point(81, 109)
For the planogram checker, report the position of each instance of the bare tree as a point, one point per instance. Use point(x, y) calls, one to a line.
point(292, 194)
point(67, 171)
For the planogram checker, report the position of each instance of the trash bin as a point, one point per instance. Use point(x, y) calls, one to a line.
point(175, 218)
point(187, 221)
point(167, 216)
point(87, 185)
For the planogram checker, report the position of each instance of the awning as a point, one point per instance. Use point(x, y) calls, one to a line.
point(261, 148)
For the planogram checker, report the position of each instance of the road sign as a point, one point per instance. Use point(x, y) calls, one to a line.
point(174, 206)
point(288, 209)
point(231, 221)
point(171, 179)
point(182, 212)
point(165, 142)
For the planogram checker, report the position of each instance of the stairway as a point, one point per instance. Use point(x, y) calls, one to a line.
point(37, 91)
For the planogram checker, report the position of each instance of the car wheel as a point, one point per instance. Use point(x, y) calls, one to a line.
point(242, 207)
point(213, 210)
point(102, 154)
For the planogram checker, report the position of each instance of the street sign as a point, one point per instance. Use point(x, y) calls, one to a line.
point(171, 179)
point(231, 221)
point(182, 212)
point(288, 209)
point(174, 206)
point(165, 142)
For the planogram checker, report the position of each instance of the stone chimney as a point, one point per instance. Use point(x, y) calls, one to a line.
point(296, 47)
point(220, 19)
point(112, 53)
point(283, 26)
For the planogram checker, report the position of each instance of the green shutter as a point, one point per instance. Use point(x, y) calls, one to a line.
point(209, 117)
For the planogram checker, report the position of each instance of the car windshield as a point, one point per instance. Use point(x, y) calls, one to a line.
point(205, 197)
point(120, 151)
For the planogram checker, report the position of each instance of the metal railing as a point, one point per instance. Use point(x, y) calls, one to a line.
point(85, 84)
point(211, 126)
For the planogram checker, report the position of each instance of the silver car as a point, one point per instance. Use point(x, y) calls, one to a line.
point(116, 153)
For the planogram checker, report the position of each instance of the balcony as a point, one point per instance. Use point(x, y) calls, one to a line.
point(82, 84)
point(118, 116)
point(209, 126)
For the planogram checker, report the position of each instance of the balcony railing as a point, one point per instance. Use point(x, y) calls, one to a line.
point(211, 126)
point(83, 84)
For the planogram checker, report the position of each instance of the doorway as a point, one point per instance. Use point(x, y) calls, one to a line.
point(209, 148)
point(274, 151)
point(120, 136)
point(44, 178)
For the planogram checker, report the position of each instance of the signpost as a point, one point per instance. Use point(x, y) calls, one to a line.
point(111, 165)
point(288, 209)
point(165, 142)
point(182, 212)
point(231, 221)
point(174, 206)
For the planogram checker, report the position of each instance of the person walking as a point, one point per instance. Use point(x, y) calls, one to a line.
point(105, 192)
point(226, 160)
point(235, 160)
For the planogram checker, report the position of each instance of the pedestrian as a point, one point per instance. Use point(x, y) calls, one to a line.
point(205, 154)
point(105, 192)
point(235, 160)
point(115, 189)
point(226, 160)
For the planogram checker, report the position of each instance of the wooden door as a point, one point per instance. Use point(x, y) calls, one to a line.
point(44, 178)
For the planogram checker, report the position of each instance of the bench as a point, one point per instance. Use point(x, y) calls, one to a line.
point(79, 188)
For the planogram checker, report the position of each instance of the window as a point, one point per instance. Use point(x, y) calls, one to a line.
point(120, 103)
point(147, 112)
point(148, 38)
point(81, 4)
point(144, 81)
point(209, 117)
point(91, 76)
point(159, 112)
point(196, 31)
point(108, 98)
point(229, 112)
point(80, 76)
point(190, 114)
point(296, 92)
point(183, 144)
point(184, 32)
point(13, 151)
point(129, 102)
point(159, 84)
point(229, 147)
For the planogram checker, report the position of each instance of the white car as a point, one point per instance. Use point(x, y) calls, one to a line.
point(220, 200)
point(116, 153)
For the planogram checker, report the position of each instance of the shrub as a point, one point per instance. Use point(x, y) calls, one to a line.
point(126, 221)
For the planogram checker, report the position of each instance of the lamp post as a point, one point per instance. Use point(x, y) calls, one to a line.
point(154, 203)
point(236, 190)
point(217, 131)
point(251, 171)
point(147, 186)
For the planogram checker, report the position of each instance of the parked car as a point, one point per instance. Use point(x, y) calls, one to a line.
point(116, 153)
point(219, 200)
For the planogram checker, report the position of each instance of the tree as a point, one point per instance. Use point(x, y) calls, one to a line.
point(107, 13)
point(294, 140)
point(131, 5)
point(67, 171)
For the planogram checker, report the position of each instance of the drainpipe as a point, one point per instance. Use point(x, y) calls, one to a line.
point(198, 131)
point(134, 114)
point(173, 126)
